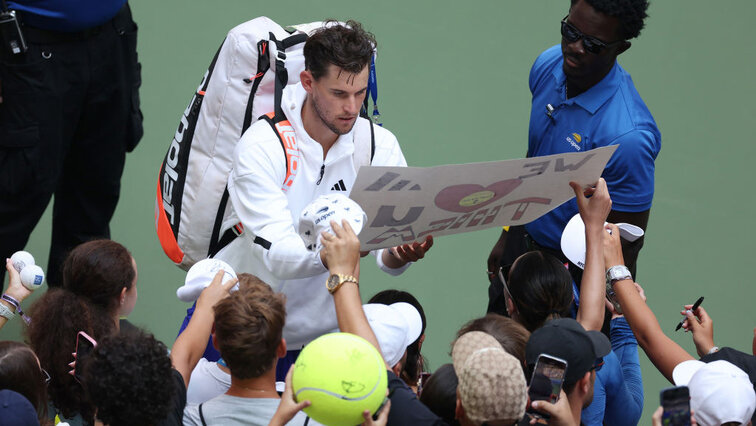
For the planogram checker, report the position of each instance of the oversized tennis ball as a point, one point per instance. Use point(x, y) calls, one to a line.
point(32, 277)
point(21, 259)
point(342, 375)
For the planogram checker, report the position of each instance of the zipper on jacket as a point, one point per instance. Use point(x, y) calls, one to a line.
point(322, 171)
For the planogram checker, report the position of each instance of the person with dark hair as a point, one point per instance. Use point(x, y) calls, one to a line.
point(323, 111)
point(99, 286)
point(511, 335)
point(58, 316)
point(105, 273)
point(415, 362)
point(583, 99)
point(538, 289)
point(21, 372)
point(129, 379)
point(248, 332)
point(439, 393)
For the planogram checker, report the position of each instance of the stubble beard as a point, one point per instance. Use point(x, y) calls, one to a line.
point(331, 125)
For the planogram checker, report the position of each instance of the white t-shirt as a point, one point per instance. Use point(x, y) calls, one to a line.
point(207, 382)
point(225, 410)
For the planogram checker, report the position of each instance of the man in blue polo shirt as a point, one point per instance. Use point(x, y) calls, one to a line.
point(583, 99)
point(69, 113)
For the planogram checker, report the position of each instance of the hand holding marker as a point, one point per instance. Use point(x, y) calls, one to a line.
point(693, 309)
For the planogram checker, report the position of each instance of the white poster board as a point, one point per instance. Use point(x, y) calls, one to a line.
point(404, 204)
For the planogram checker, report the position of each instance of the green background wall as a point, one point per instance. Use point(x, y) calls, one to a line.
point(453, 88)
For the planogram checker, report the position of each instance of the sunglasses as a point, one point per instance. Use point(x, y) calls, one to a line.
point(591, 44)
point(503, 275)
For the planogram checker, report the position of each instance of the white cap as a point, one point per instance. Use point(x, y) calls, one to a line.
point(317, 217)
point(395, 326)
point(573, 238)
point(720, 392)
point(200, 275)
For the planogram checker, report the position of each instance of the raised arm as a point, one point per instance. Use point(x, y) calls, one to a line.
point(342, 253)
point(593, 211)
point(189, 346)
point(663, 352)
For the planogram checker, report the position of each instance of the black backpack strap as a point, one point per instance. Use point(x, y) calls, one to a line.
point(263, 65)
point(202, 417)
point(217, 242)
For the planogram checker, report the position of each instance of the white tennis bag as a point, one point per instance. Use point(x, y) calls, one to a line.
point(244, 82)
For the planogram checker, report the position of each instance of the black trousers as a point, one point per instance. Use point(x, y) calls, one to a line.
point(70, 112)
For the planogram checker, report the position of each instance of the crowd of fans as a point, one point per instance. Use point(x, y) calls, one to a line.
point(558, 351)
point(131, 378)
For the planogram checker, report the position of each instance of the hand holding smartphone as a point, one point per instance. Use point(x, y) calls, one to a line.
point(84, 346)
point(546, 382)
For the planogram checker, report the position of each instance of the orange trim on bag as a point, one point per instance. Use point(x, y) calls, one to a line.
point(165, 232)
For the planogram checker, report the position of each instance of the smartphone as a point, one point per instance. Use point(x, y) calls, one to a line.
point(676, 404)
point(84, 346)
point(546, 381)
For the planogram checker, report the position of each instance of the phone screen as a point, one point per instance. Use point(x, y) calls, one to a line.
point(546, 382)
point(84, 347)
point(676, 404)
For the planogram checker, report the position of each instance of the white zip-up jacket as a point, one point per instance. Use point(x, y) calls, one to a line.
point(271, 215)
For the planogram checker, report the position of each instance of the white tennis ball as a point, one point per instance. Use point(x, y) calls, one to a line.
point(21, 259)
point(32, 277)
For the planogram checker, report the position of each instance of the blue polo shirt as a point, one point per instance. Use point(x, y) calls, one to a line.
point(66, 15)
point(609, 113)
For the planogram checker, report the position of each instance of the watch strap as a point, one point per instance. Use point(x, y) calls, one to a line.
point(618, 273)
point(343, 278)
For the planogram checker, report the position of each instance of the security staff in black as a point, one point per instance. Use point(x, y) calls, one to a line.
point(69, 113)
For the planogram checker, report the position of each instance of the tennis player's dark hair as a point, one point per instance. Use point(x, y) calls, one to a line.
point(349, 47)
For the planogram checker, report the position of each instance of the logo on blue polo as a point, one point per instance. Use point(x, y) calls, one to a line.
point(574, 139)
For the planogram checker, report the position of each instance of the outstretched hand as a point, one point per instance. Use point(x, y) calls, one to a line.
point(413, 252)
point(288, 407)
point(382, 419)
point(341, 249)
point(216, 291)
point(702, 326)
point(593, 203)
point(612, 247)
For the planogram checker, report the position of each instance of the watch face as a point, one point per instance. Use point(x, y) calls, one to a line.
point(332, 282)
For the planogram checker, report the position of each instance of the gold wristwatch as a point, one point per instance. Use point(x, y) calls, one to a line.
point(336, 280)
